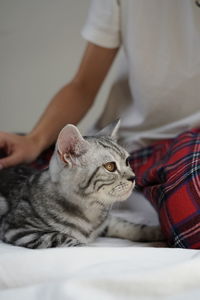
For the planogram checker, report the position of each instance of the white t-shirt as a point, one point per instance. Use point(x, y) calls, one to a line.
point(161, 41)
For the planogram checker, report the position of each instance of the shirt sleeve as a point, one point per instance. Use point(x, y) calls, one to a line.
point(103, 24)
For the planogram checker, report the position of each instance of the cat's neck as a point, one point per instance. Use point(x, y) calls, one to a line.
point(95, 211)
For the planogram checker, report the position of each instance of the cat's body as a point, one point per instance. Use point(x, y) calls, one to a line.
point(68, 204)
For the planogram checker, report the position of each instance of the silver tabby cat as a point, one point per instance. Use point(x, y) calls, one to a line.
point(68, 204)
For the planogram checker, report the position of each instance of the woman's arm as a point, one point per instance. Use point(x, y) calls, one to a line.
point(69, 105)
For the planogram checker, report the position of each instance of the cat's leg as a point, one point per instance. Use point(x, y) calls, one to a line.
point(120, 228)
point(37, 240)
point(53, 240)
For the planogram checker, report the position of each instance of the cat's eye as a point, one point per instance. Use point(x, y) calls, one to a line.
point(110, 166)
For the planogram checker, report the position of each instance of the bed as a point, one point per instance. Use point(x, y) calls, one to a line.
point(108, 269)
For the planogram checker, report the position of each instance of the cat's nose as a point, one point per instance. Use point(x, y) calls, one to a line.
point(132, 178)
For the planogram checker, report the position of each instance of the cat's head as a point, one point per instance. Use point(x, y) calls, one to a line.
point(95, 167)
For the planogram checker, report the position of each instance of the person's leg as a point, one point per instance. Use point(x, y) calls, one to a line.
point(168, 173)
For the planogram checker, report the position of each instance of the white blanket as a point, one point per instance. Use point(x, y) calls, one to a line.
point(109, 269)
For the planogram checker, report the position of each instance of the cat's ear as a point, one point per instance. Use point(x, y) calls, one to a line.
point(71, 145)
point(111, 130)
point(115, 129)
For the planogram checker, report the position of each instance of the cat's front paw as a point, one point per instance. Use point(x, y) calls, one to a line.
point(157, 234)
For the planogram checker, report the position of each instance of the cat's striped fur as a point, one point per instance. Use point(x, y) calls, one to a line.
point(69, 203)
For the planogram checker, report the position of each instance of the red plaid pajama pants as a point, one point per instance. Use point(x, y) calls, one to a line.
point(168, 173)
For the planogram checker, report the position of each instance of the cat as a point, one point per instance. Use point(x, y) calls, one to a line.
point(68, 204)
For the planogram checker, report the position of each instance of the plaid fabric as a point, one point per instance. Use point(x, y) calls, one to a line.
point(168, 173)
point(42, 161)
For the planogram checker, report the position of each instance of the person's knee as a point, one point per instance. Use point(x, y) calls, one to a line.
point(181, 231)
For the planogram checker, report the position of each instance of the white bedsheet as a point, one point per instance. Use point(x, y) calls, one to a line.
point(109, 269)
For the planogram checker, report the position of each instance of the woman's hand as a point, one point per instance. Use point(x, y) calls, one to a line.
point(18, 149)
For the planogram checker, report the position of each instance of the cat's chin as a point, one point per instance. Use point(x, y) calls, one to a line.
point(123, 195)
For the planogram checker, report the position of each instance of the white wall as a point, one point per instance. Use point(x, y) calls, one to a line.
point(40, 49)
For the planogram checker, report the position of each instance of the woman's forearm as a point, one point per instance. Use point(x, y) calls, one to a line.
point(69, 105)
point(72, 102)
